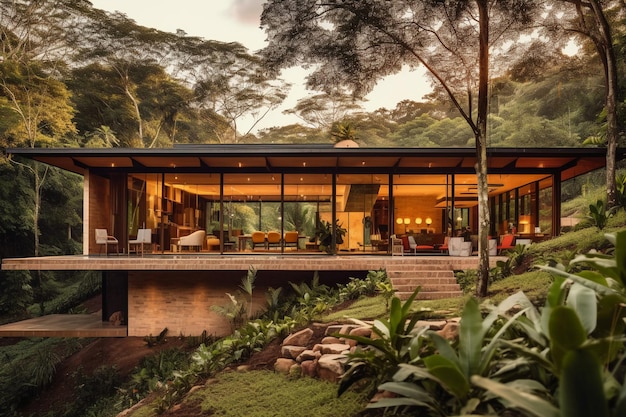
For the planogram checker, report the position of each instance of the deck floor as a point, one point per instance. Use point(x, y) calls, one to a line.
point(236, 262)
point(63, 325)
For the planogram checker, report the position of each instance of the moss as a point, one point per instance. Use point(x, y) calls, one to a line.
point(265, 394)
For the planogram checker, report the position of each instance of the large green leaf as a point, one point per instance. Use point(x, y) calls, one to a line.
point(409, 390)
point(444, 348)
point(470, 337)
point(566, 333)
point(533, 404)
point(581, 392)
point(583, 300)
point(620, 255)
point(451, 377)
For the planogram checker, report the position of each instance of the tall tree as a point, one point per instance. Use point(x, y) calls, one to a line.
point(356, 42)
point(593, 20)
point(323, 110)
point(33, 47)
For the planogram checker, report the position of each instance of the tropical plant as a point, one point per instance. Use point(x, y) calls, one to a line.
point(599, 215)
point(368, 286)
point(344, 131)
point(394, 340)
point(238, 310)
point(311, 300)
point(440, 381)
point(583, 326)
point(324, 234)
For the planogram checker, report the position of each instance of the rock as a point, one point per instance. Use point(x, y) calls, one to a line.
point(301, 338)
point(328, 340)
point(243, 368)
point(450, 331)
point(334, 328)
point(291, 352)
point(349, 342)
point(328, 375)
point(282, 365)
point(331, 367)
point(309, 368)
point(333, 362)
point(361, 331)
point(334, 348)
point(432, 325)
point(308, 355)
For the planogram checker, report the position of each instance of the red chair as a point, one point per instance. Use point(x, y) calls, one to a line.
point(508, 242)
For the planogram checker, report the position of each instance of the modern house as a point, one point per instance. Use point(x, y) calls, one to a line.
point(209, 210)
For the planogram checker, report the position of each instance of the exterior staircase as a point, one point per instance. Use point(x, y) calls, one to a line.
point(436, 280)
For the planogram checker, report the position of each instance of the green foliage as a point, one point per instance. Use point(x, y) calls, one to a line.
point(620, 188)
point(368, 287)
point(15, 293)
point(324, 233)
point(91, 391)
point(441, 381)
point(572, 352)
point(311, 300)
point(599, 215)
point(238, 310)
point(81, 286)
point(393, 342)
point(28, 366)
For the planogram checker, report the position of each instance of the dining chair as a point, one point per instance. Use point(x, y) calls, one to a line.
point(104, 240)
point(144, 237)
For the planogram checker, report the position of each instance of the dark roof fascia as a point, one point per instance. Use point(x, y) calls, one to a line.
point(291, 150)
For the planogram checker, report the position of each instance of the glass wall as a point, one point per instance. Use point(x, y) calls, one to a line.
point(231, 207)
point(362, 212)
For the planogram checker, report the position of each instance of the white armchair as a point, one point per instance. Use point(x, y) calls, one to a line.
point(193, 240)
point(144, 237)
point(457, 246)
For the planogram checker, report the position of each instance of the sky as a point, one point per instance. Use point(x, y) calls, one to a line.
point(238, 21)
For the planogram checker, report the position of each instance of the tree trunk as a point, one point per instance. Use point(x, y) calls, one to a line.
point(481, 150)
point(604, 45)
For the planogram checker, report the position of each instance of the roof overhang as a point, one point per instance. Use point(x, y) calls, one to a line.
point(570, 162)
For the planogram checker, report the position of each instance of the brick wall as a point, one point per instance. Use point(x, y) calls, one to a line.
point(181, 301)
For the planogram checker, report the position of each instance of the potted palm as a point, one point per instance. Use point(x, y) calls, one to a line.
point(345, 136)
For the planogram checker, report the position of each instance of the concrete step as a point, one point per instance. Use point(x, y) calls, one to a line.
point(429, 281)
point(436, 281)
point(430, 295)
point(426, 287)
point(419, 274)
point(411, 266)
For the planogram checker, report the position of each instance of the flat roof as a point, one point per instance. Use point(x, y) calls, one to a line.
point(310, 158)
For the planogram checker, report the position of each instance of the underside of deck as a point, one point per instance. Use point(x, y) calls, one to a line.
point(406, 272)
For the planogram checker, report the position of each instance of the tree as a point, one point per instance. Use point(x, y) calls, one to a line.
point(238, 90)
point(30, 68)
point(323, 110)
point(356, 42)
point(593, 21)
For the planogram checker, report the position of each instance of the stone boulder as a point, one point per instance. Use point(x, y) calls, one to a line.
point(301, 338)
